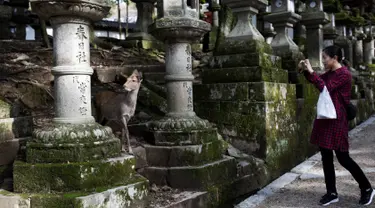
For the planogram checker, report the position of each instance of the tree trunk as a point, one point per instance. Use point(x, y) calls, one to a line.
point(43, 28)
point(127, 17)
point(119, 18)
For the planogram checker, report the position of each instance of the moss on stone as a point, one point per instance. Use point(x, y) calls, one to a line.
point(227, 22)
point(231, 46)
point(171, 138)
point(246, 60)
point(184, 155)
point(244, 74)
point(55, 152)
point(131, 197)
point(67, 177)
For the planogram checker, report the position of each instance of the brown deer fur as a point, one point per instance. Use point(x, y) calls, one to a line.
point(119, 107)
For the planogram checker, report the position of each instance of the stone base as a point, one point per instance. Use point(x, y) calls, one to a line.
point(244, 74)
point(59, 143)
point(73, 176)
point(132, 195)
point(246, 60)
point(164, 156)
point(256, 117)
point(193, 177)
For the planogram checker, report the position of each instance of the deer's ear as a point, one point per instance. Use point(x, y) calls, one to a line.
point(135, 72)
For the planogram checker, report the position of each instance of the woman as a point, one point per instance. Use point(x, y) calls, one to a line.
point(332, 134)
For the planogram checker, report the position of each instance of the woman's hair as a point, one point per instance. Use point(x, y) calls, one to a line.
point(333, 51)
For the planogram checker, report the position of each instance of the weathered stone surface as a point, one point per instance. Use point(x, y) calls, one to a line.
point(73, 176)
point(244, 74)
point(188, 137)
point(73, 152)
point(132, 195)
point(264, 115)
point(93, 10)
point(193, 177)
point(192, 200)
point(233, 46)
point(243, 91)
point(159, 156)
point(246, 60)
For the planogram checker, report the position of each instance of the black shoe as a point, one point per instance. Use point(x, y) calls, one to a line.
point(367, 196)
point(328, 199)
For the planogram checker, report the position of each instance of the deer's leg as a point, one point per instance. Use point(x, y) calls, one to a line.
point(126, 135)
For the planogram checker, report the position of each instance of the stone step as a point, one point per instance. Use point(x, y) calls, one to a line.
point(244, 74)
point(244, 91)
point(11, 128)
point(246, 60)
point(73, 176)
point(191, 200)
point(107, 74)
point(161, 156)
point(193, 177)
point(131, 195)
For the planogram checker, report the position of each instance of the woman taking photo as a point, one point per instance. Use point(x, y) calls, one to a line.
point(332, 134)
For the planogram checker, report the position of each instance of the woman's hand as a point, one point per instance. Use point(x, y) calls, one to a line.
point(306, 66)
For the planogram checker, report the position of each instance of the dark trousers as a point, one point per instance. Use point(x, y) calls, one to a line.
point(348, 163)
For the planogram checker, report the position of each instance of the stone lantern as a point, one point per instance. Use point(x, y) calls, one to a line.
point(244, 32)
point(330, 32)
point(358, 45)
point(73, 161)
point(314, 18)
point(368, 44)
point(283, 17)
point(141, 37)
point(175, 157)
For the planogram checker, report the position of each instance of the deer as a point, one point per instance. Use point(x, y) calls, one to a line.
point(120, 107)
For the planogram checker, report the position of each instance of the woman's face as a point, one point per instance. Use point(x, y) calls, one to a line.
point(328, 62)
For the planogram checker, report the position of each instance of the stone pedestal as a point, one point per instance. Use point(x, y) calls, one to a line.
point(187, 151)
point(241, 92)
point(368, 45)
point(314, 18)
point(209, 40)
point(343, 42)
point(141, 37)
point(329, 31)
point(358, 47)
point(75, 162)
point(5, 16)
point(283, 18)
point(244, 32)
point(267, 29)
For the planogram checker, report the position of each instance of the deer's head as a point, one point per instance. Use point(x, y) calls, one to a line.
point(133, 82)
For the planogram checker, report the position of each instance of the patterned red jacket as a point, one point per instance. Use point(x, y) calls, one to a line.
point(333, 133)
